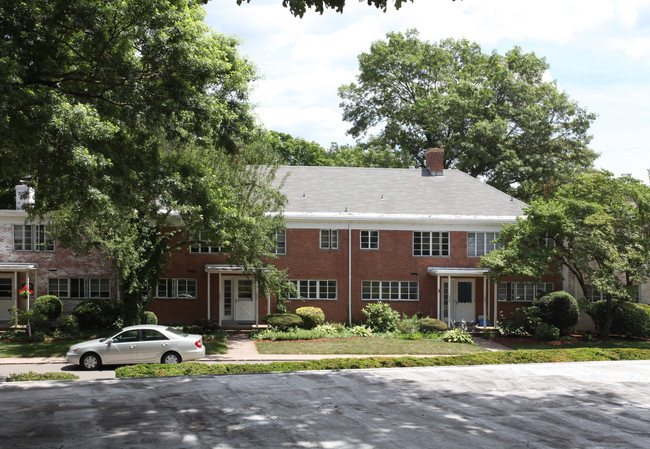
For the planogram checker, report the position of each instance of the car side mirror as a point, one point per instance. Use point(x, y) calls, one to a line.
point(108, 341)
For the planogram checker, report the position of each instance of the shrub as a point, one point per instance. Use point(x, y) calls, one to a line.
point(380, 317)
point(428, 325)
point(361, 331)
point(408, 326)
point(49, 305)
point(630, 319)
point(311, 316)
point(558, 309)
point(457, 336)
point(97, 313)
point(37, 321)
point(282, 321)
point(21, 335)
point(522, 322)
point(150, 318)
point(67, 327)
point(547, 332)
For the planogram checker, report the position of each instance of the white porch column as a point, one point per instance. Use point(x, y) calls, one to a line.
point(495, 304)
point(220, 300)
point(485, 311)
point(27, 275)
point(438, 302)
point(449, 300)
point(209, 276)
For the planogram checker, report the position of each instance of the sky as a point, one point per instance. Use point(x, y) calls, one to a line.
point(598, 52)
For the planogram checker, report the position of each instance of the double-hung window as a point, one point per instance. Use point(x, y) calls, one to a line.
point(369, 239)
point(32, 238)
point(79, 287)
point(176, 288)
point(430, 243)
point(329, 239)
point(280, 243)
point(481, 243)
point(314, 289)
point(390, 290)
point(522, 291)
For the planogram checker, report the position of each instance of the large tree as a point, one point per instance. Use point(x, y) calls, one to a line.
point(131, 120)
point(299, 7)
point(597, 226)
point(494, 114)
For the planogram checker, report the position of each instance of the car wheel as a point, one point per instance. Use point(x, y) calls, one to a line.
point(170, 357)
point(90, 361)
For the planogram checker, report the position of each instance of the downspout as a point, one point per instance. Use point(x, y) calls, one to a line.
point(349, 273)
point(495, 304)
point(209, 276)
point(485, 311)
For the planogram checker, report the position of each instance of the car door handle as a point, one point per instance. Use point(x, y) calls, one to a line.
point(132, 347)
point(163, 344)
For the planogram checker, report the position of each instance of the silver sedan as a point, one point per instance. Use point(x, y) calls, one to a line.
point(138, 344)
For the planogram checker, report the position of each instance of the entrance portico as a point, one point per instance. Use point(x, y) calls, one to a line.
point(9, 285)
point(238, 295)
point(456, 294)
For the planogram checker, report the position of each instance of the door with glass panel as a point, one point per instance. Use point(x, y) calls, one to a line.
point(462, 307)
point(238, 300)
point(6, 296)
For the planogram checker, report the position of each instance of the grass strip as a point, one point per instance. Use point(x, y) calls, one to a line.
point(491, 358)
point(32, 376)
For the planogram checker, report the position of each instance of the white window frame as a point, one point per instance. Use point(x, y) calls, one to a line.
point(329, 239)
point(177, 288)
point(432, 243)
point(90, 288)
point(522, 291)
point(315, 289)
point(480, 243)
point(390, 290)
point(369, 239)
point(280, 247)
point(32, 237)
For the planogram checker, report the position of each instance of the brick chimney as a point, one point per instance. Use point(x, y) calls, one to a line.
point(435, 161)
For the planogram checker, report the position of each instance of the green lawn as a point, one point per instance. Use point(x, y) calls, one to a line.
point(372, 346)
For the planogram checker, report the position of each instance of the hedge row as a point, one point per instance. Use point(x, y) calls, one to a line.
point(490, 358)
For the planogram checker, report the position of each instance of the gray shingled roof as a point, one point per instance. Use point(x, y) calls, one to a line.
point(392, 191)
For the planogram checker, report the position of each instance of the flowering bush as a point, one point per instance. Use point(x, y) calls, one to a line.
point(25, 291)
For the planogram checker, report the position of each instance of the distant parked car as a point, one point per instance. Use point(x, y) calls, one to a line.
point(145, 343)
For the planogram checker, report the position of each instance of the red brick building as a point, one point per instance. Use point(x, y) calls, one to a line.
point(409, 237)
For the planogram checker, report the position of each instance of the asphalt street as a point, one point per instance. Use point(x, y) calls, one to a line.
point(563, 405)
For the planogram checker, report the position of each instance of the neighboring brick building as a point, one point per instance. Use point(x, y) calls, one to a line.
point(409, 237)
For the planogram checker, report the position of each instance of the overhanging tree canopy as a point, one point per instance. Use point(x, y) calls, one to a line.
point(130, 118)
point(494, 115)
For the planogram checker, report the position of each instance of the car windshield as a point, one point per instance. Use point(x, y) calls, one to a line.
point(177, 332)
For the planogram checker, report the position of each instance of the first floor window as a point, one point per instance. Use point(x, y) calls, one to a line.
point(314, 289)
point(280, 243)
point(176, 288)
point(430, 243)
point(329, 239)
point(369, 239)
point(481, 243)
point(596, 295)
point(79, 287)
point(390, 290)
point(522, 291)
point(32, 238)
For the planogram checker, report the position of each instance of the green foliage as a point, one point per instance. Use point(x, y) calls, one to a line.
point(282, 321)
point(523, 321)
point(37, 321)
point(299, 7)
point(311, 316)
point(97, 313)
point(488, 335)
point(150, 317)
point(408, 325)
point(380, 317)
point(629, 319)
point(22, 335)
point(32, 376)
point(67, 327)
point(428, 324)
point(49, 305)
point(457, 336)
point(547, 331)
point(361, 331)
point(495, 115)
point(558, 309)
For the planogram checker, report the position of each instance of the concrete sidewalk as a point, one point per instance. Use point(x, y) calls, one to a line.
point(241, 349)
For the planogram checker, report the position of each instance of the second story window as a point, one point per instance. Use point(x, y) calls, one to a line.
point(369, 239)
point(32, 238)
point(430, 243)
point(481, 243)
point(329, 239)
point(280, 243)
point(204, 247)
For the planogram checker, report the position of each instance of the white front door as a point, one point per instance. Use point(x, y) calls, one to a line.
point(238, 299)
point(462, 306)
point(6, 296)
